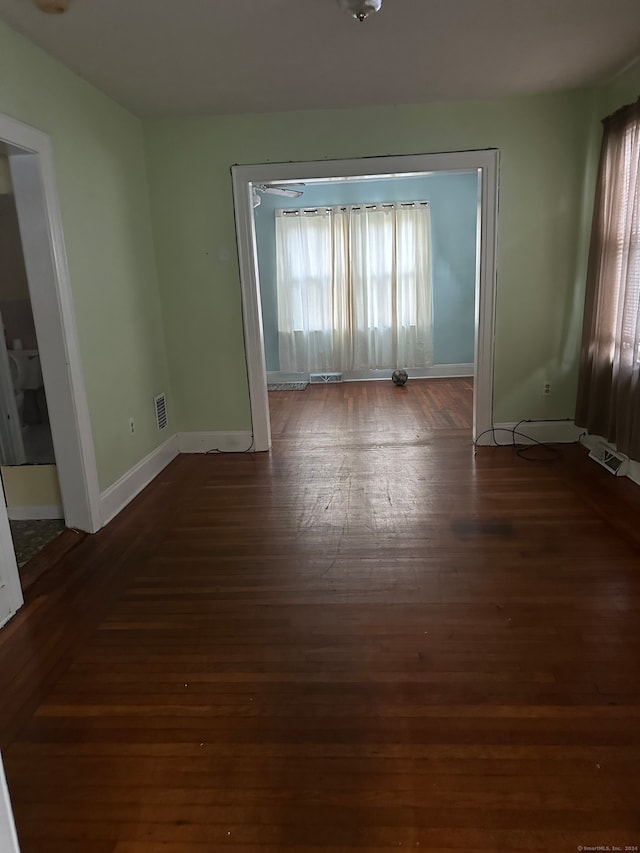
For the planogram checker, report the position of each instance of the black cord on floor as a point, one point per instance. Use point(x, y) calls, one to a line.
point(219, 450)
point(535, 446)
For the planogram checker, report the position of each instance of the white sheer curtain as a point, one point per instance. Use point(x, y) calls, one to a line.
point(354, 287)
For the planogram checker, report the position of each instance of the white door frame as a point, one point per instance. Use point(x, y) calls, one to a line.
point(33, 176)
point(8, 836)
point(486, 162)
point(11, 598)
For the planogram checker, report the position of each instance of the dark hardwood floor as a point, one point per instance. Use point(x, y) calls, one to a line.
point(372, 638)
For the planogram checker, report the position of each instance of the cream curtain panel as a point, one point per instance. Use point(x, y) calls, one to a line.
point(354, 287)
point(609, 387)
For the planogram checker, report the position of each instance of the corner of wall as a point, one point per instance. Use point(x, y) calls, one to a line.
point(114, 499)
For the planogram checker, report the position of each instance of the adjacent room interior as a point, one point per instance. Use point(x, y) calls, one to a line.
point(361, 277)
point(27, 457)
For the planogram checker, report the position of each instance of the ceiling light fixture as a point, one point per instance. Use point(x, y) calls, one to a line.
point(359, 9)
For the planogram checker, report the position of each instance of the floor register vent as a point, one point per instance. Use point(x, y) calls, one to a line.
point(319, 378)
point(615, 462)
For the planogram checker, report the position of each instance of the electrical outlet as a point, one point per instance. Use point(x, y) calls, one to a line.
point(132, 426)
point(546, 389)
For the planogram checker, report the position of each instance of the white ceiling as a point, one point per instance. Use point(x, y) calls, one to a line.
point(182, 57)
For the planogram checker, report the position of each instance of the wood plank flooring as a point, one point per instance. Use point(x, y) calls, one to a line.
point(371, 638)
point(48, 556)
point(373, 407)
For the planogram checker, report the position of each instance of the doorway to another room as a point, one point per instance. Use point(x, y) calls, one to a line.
point(361, 277)
point(37, 353)
point(27, 456)
point(448, 339)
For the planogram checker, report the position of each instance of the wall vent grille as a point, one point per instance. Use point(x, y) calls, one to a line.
point(614, 461)
point(319, 378)
point(160, 403)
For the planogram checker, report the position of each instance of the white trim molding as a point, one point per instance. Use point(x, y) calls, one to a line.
point(28, 513)
point(11, 598)
point(274, 376)
point(240, 441)
point(530, 432)
point(485, 163)
point(8, 835)
point(438, 371)
point(634, 471)
point(114, 499)
point(33, 176)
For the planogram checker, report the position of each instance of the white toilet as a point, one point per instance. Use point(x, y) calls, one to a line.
point(26, 374)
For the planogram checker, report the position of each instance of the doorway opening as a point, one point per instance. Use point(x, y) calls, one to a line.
point(25, 437)
point(248, 179)
point(27, 456)
point(56, 369)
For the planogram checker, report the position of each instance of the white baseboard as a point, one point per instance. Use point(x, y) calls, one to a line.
point(443, 371)
point(529, 432)
point(634, 471)
point(123, 491)
point(240, 441)
point(3, 621)
point(437, 371)
point(29, 513)
point(276, 376)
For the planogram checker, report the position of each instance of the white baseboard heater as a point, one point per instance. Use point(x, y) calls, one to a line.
point(614, 461)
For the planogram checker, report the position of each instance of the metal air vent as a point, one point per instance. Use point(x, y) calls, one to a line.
point(614, 461)
point(319, 378)
point(160, 404)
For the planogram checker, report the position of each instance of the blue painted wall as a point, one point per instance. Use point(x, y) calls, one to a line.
point(454, 207)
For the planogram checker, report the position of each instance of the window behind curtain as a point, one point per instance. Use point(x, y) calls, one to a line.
point(354, 287)
point(609, 387)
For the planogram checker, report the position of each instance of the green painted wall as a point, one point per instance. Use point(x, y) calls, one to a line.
point(102, 184)
point(547, 165)
point(544, 145)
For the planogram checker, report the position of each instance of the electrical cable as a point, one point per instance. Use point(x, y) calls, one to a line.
point(522, 451)
point(219, 450)
point(555, 453)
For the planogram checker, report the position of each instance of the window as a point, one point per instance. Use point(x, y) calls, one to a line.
point(609, 387)
point(354, 287)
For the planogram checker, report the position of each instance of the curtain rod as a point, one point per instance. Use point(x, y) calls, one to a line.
point(298, 210)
